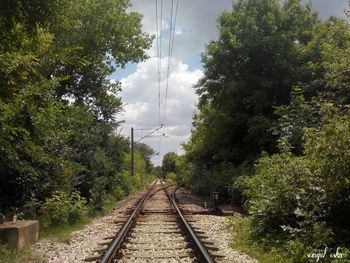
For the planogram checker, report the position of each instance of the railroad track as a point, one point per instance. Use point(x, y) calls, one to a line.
point(155, 231)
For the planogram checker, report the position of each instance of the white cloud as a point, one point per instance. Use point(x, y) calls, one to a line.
point(196, 26)
point(196, 20)
point(140, 94)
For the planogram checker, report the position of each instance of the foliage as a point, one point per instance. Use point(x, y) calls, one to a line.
point(169, 163)
point(174, 168)
point(12, 255)
point(63, 233)
point(306, 198)
point(241, 240)
point(248, 71)
point(273, 125)
point(141, 175)
point(329, 59)
point(58, 110)
point(62, 208)
point(93, 36)
point(158, 171)
point(146, 152)
point(293, 118)
point(171, 176)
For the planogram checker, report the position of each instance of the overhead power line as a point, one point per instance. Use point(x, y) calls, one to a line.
point(162, 115)
point(148, 134)
point(159, 40)
point(173, 19)
point(159, 52)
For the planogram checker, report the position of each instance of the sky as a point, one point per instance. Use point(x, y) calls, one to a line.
point(195, 26)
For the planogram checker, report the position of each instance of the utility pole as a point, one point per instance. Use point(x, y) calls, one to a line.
point(132, 151)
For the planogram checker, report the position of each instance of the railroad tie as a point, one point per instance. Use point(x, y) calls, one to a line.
point(179, 246)
point(93, 258)
point(182, 255)
point(156, 229)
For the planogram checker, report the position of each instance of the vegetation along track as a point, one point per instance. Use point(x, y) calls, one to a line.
point(155, 231)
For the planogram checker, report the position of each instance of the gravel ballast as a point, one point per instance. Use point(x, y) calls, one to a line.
point(216, 228)
point(83, 242)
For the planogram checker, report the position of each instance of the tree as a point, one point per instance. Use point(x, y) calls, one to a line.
point(57, 108)
point(305, 198)
point(146, 153)
point(169, 163)
point(247, 71)
point(329, 53)
point(92, 40)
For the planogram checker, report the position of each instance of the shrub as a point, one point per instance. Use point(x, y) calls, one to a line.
point(31, 207)
point(304, 200)
point(62, 208)
point(171, 176)
point(77, 207)
point(277, 191)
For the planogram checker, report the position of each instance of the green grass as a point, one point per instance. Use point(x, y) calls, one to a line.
point(241, 241)
point(273, 249)
point(12, 255)
point(107, 206)
point(60, 233)
point(63, 232)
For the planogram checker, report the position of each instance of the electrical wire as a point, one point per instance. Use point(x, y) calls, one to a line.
point(173, 17)
point(159, 34)
point(159, 53)
point(148, 134)
point(159, 41)
point(158, 70)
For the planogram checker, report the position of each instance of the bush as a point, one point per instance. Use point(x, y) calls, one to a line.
point(304, 200)
point(31, 207)
point(171, 176)
point(62, 208)
point(278, 191)
point(219, 178)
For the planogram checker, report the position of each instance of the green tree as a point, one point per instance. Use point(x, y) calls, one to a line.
point(247, 71)
point(146, 152)
point(305, 198)
point(57, 108)
point(293, 118)
point(329, 56)
point(93, 38)
point(169, 163)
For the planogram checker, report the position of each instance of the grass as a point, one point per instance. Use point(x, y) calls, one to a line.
point(12, 255)
point(63, 232)
point(273, 250)
point(242, 242)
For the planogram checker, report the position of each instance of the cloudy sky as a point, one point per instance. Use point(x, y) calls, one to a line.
point(195, 26)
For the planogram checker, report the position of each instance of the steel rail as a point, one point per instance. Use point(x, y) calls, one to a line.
point(202, 253)
point(112, 250)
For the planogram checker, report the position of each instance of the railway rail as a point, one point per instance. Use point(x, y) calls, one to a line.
point(155, 231)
